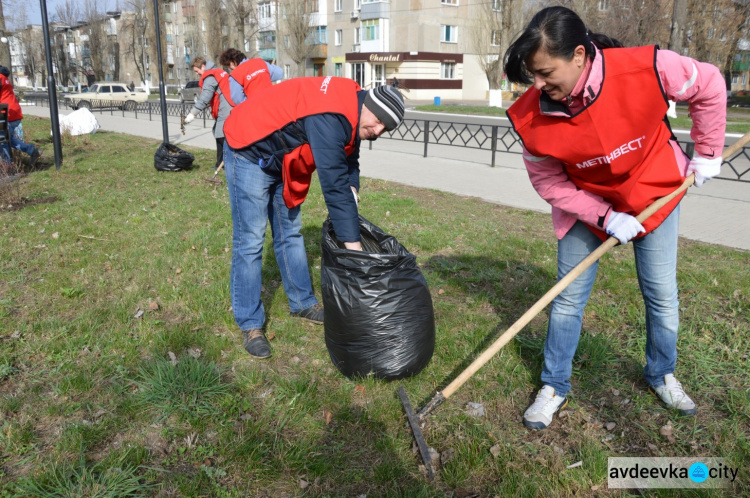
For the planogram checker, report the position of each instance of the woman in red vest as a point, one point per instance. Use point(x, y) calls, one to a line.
point(598, 147)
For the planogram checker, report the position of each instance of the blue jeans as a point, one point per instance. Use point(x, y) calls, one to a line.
point(15, 128)
point(656, 265)
point(256, 198)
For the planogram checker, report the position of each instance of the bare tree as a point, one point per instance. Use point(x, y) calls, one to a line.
point(632, 22)
point(4, 47)
point(679, 24)
point(135, 28)
point(296, 27)
point(32, 50)
point(715, 29)
point(243, 20)
point(151, 36)
point(217, 28)
point(495, 24)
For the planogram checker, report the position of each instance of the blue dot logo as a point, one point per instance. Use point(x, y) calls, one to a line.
point(698, 472)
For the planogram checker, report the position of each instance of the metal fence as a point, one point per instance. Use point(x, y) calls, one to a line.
point(493, 138)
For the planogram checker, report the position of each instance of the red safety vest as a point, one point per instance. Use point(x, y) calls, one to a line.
point(280, 105)
point(8, 97)
point(222, 77)
point(616, 147)
point(253, 75)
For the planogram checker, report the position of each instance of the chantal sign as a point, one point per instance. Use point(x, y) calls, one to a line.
point(385, 57)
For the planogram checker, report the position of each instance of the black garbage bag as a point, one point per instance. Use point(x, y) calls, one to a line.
point(378, 309)
point(169, 157)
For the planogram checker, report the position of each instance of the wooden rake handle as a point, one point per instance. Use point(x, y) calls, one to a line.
point(559, 287)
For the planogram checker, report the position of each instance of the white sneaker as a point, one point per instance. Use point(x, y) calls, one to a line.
point(539, 415)
point(672, 394)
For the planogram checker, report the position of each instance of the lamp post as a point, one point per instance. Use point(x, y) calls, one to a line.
point(51, 89)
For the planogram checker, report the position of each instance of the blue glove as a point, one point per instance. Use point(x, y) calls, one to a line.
point(623, 227)
point(704, 168)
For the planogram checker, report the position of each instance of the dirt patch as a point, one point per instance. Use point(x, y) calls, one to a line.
point(26, 202)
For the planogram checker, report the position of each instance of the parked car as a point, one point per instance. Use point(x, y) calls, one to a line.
point(190, 92)
point(106, 94)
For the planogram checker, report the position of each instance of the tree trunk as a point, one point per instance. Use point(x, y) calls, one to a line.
point(679, 22)
point(4, 47)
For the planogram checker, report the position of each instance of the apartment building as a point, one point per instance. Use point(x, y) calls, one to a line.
point(421, 44)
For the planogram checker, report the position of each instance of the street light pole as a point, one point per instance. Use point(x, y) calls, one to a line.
point(51, 89)
point(162, 93)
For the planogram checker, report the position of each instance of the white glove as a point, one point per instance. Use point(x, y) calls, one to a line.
point(623, 227)
point(189, 117)
point(704, 168)
point(356, 196)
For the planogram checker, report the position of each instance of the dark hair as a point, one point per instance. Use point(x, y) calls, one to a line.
point(558, 31)
point(5, 71)
point(231, 55)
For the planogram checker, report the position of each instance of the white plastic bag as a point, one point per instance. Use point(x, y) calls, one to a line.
point(79, 122)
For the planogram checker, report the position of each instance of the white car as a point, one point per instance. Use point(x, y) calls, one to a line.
point(106, 94)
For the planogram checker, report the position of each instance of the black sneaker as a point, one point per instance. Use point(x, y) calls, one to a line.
point(34, 157)
point(314, 313)
point(255, 343)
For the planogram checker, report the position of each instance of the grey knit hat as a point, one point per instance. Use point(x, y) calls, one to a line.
point(387, 104)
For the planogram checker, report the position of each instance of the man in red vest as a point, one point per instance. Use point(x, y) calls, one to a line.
point(274, 142)
point(15, 128)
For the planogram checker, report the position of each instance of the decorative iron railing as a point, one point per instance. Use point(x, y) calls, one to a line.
point(494, 138)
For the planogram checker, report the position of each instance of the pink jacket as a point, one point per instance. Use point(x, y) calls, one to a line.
point(683, 79)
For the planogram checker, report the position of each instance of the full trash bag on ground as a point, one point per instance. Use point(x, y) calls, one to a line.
point(379, 318)
point(169, 157)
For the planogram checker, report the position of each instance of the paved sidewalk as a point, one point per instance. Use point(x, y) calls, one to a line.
point(717, 213)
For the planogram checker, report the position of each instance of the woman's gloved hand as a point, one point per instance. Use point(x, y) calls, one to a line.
point(623, 227)
point(704, 168)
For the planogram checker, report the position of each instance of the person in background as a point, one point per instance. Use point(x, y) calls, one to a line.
point(274, 142)
point(214, 84)
point(248, 75)
point(598, 148)
point(15, 127)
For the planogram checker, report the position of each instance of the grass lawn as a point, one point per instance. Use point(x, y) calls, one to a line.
point(122, 372)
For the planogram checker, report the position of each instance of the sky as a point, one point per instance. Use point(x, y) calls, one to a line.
point(33, 10)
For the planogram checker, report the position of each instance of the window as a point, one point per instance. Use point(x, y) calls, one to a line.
point(337, 5)
point(744, 79)
point(319, 69)
point(264, 10)
point(357, 35)
point(447, 70)
point(496, 5)
point(449, 2)
point(203, 25)
point(448, 34)
point(358, 73)
point(495, 38)
point(118, 89)
point(286, 71)
point(603, 5)
point(357, 4)
point(735, 79)
point(320, 35)
point(337, 37)
point(370, 29)
point(338, 69)
point(286, 41)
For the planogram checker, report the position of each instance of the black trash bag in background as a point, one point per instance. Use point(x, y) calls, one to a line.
point(171, 158)
point(379, 318)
